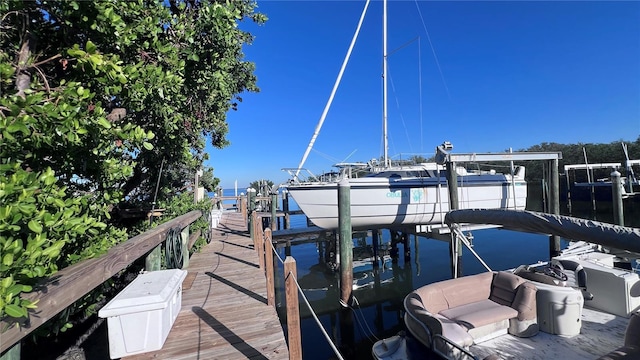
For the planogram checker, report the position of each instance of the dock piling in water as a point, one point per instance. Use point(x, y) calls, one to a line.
point(616, 193)
point(554, 205)
point(346, 241)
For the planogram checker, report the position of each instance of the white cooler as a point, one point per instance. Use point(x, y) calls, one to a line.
point(140, 317)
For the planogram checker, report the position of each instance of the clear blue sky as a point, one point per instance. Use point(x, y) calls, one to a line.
point(512, 74)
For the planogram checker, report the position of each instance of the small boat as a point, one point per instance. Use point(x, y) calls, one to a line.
point(578, 305)
point(408, 195)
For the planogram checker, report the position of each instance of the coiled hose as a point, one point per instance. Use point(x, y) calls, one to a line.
point(173, 249)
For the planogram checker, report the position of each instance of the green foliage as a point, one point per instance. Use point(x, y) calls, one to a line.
point(208, 181)
point(263, 187)
point(94, 96)
point(38, 220)
point(574, 154)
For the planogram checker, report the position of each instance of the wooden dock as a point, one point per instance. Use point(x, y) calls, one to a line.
point(224, 303)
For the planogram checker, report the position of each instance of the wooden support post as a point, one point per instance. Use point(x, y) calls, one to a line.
point(258, 238)
point(616, 193)
point(346, 241)
point(268, 252)
point(184, 235)
point(375, 240)
point(293, 311)
point(251, 205)
point(153, 259)
point(285, 208)
point(274, 209)
point(243, 208)
point(13, 353)
point(259, 243)
point(554, 204)
point(456, 249)
point(406, 247)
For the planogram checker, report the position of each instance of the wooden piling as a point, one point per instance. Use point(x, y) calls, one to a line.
point(285, 208)
point(554, 204)
point(346, 241)
point(456, 249)
point(374, 246)
point(406, 247)
point(274, 208)
point(269, 266)
point(616, 193)
point(293, 311)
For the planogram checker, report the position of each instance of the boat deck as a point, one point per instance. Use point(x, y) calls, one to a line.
point(600, 334)
point(224, 311)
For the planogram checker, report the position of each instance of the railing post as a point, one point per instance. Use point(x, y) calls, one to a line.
point(259, 241)
point(293, 311)
point(184, 236)
point(271, 290)
point(13, 353)
point(153, 260)
point(243, 208)
point(251, 206)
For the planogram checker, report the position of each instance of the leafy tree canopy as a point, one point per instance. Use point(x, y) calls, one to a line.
point(95, 98)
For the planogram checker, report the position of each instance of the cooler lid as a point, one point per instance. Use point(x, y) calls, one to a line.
point(149, 291)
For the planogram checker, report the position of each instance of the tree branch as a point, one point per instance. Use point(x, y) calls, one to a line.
point(45, 61)
point(23, 77)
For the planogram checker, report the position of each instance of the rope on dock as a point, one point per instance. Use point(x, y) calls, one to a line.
point(313, 313)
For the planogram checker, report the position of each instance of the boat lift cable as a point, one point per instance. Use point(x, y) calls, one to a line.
point(333, 91)
point(315, 317)
point(360, 319)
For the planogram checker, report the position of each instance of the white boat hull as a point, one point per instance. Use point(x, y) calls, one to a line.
point(379, 202)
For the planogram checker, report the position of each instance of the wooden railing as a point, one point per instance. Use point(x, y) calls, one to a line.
point(72, 283)
point(262, 241)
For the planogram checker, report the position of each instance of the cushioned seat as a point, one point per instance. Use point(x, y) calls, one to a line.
point(472, 309)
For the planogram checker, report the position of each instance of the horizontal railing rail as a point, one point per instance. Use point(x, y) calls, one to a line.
point(72, 283)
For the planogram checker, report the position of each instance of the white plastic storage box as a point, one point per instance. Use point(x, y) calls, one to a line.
point(140, 316)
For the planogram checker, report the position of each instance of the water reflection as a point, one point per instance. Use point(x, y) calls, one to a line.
point(381, 282)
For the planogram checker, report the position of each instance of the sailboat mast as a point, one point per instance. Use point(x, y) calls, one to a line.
point(384, 84)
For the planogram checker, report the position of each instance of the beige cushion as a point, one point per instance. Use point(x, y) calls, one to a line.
point(479, 313)
point(467, 289)
point(503, 288)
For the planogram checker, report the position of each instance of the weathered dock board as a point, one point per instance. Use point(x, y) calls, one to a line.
point(224, 303)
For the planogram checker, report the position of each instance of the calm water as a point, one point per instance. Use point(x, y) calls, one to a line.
point(378, 312)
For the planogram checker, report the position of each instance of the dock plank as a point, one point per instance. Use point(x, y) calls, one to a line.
point(224, 313)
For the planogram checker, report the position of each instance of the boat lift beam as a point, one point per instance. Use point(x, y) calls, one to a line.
point(503, 156)
point(444, 156)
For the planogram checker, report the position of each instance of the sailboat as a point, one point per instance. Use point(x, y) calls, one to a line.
point(401, 195)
